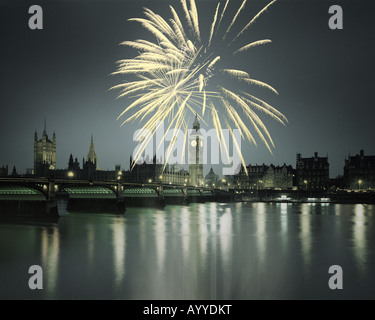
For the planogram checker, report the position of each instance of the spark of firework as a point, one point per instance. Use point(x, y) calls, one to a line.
point(172, 76)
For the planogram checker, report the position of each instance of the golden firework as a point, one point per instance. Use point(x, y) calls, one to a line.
point(172, 76)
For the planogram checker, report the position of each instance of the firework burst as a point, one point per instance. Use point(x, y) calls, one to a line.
point(181, 72)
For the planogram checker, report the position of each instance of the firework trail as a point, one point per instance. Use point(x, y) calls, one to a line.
point(172, 76)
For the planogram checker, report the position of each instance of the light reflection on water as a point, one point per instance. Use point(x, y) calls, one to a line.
point(160, 241)
point(91, 245)
point(261, 232)
point(50, 250)
point(119, 250)
point(305, 235)
point(201, 251)
point(359, 238)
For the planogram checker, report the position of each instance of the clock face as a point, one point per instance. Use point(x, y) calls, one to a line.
point(193, 143)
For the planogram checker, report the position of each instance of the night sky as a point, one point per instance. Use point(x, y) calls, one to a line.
point(324, 77)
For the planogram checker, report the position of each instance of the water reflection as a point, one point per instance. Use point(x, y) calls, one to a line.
point(142, 232)
point(213, 258)
point(91, 244)
point(50, 249)
point(200, 251)
point(119, 250)
point(261, 232)
point(359, 238)
point(185, 231)
point(284, 208)
point(226, 235)
point(305, 234)
point(284, 225)
point(160, 241)
point(203, 233)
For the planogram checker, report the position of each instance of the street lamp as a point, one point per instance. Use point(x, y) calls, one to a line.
point(70, 174)
point(359, 184)
point(149, 180)
point(305, 182)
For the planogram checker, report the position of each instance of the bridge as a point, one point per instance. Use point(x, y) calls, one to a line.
point(22, 194)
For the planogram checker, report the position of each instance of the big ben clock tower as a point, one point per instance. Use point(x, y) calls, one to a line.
point(196, 155)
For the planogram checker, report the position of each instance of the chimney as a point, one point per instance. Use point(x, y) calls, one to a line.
point(315, 154)
point(362, 153)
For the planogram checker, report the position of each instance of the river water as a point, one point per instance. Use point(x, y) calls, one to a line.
point(200, 251)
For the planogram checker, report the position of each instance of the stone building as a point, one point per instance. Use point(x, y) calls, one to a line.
point(155, 172)
point(73, 166)
point(312, 173)
point(278, 177)
point(264, 177)
point(359, 171)
point(44, 153)
point(3, 171)
point(90, 166)
point(89, 170)
point(91, 156)
point(211, 179)
point(253, 179)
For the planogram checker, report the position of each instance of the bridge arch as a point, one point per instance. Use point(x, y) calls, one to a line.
point(87, 191)
point(139, 191)
point(31, 191)
point(207, 192)
point(193, 192)
point(174, 191)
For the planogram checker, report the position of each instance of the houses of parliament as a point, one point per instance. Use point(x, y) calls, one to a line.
point(45, 164)
point(310, 172)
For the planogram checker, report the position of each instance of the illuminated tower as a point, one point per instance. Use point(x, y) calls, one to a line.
point(44, 153)
point(91, 156)
point(196, 155)
point(91, 164)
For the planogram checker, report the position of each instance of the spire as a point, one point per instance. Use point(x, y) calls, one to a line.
point(91, 156)
point(45, 126)
point(70, 162)
point(196, 124)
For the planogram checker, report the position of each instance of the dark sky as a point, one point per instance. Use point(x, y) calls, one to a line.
point(324, 77)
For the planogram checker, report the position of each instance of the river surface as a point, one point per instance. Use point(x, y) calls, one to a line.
point(200, 251)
